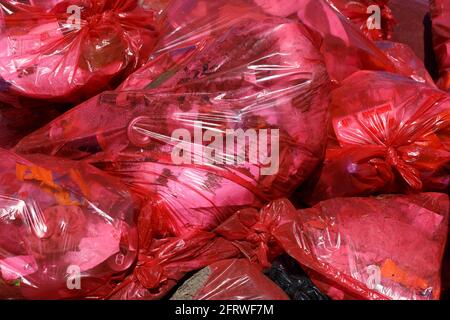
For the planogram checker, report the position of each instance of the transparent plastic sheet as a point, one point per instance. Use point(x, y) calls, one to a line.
point(389, 247)
point(330, 288)
point(66, 229)
point(163, 262)
point(406, 61)
point(74, 50)
point(390, 135)
point(357, 11)
point(345, 48)
point(216, 88)
point(440, 15)
point(235, 279)
point(362, 14)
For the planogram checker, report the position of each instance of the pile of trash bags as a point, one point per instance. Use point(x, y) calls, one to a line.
point(223, 150)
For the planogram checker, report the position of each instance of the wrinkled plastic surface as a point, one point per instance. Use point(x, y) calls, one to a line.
point(391, 135)
point(66, 229)
point(406, 61)
point(163, 262)
point(237, 279)
point(73, 50)
point(440, 15)
point(362, 14)
point(345, 49)
point(209, 83)
point(46, 4)
point(376, 248)
point(359, 12)
point(389, 247)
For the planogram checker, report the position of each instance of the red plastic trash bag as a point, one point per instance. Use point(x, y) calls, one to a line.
point(346, 50)
point(250, 118)
point(389, 247)
point(373, 17)
point(440, 15)
point(66, 229)
point(74, 51)
point(164, 261)
point(343, 46)
point(235, 279)
point(406, 61)
point(392, 136)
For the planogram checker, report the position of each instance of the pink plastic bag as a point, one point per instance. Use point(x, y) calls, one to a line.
point(164, 261)
point(359, 12)
point(440, 15)
point(272, 87)
point(66, 229)
point(235, 279)
point(346, 50)
point(392, 135)
point(73, 51)
point(363, 13)
point(389, 247)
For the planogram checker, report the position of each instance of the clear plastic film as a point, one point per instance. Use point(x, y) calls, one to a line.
point(440, 16)
point(232, 112)
point(66, 229)
point(346, 49)
point(68, 51)
point(391, 134)
point(406, 61)
point(165, 261)
point(235, 279)
point(162, 263)
point(388, 247)
point(373, 17)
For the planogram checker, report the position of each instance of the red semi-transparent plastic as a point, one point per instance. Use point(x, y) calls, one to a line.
point(386, 247)
point(205, 77)
point(390, 134)
point(238, 279)
point(66, 229)
point(73, 50)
